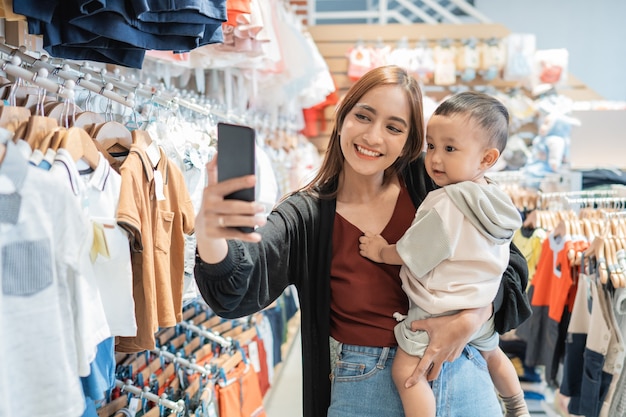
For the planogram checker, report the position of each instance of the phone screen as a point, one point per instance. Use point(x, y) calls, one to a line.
point(236, 157)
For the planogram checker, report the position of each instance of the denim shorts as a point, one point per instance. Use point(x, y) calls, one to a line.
point(362, 385)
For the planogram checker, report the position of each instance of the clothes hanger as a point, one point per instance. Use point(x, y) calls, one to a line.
point(57, 137)
point(46, 141)
point(80, 145)
point(111, 408)
point(86, 119)
point(142, 139)
point(37, 128)
point(228, 362)
point(62, 112)
point(113, 136)
point(11, 117)
point(191, 346)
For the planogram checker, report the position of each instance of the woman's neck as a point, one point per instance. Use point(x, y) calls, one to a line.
point(358, 188)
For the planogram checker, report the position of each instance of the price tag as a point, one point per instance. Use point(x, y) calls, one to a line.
point(158, 186)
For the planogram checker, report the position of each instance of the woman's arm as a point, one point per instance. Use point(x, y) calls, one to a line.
point(252, 275)
point(237, 277)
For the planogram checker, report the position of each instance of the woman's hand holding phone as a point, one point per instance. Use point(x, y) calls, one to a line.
point(219, 218)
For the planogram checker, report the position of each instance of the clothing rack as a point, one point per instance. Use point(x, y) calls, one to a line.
point(13, 67)
point(178, 406)
point(545, 199)
point(157, 95)
point(599, 202)
point(65, 73)
point(614, 214)
point(176, 358)
point(222, 341)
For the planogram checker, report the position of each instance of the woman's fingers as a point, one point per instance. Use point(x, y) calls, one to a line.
point(219, 217)
point(211, 170)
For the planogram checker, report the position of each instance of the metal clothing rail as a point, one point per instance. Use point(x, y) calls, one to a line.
point(613, 214)
point(157, 95)
point(225, 342)
point(38, 78)
point(545, 199)
point(600, 202)
point(178, 406)
point(176, 358)
point(64, 72)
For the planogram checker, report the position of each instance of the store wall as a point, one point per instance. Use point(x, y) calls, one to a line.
point(593, 32)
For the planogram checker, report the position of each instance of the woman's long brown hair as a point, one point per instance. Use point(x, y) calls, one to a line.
point(334, 160)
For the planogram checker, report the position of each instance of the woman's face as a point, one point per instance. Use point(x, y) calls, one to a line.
point(375, 131)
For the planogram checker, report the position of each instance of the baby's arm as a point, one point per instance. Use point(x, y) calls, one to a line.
point(376, 248)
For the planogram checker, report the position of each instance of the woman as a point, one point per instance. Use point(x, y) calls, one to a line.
point(372, 178)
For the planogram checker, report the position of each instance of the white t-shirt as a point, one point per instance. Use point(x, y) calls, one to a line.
point(44, 308)
point(98, 192)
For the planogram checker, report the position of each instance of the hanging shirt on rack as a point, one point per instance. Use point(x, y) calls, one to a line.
point(156, 210)
point(98, 192)
point(46, 322)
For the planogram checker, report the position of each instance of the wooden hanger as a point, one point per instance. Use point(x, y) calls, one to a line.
point(562, 229)
point(37, 128)
point(191, 346)
point(57, 137)
point(80, 145)
point(3, 149)
point(86, 119)
point(23, 95)
point(62, 112)
point(11, 117)
point(46, 141)
point(596, 249)
point(153, 412)
point(611, 261)
point(178, 341)
point(204, 354)
point(246, 336)
point(212, 322)
point(193, 388)
point(113, 136)
point(150, 369)
point(229, 362)
point(531, 221)
point(113, 407)
point(166, 334)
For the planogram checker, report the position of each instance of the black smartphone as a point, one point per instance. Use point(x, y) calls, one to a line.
point(235, 158)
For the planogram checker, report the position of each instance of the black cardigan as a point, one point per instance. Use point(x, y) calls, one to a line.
point(296, 249)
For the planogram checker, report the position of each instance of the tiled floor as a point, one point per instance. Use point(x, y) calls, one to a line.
point(284, 399)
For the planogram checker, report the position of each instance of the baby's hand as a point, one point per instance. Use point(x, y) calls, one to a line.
point(371, 245)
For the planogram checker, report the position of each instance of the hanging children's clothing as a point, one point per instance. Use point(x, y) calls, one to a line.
point(49, 326)
point(156, 210)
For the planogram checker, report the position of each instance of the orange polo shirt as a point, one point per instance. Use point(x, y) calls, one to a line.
point(157, 228)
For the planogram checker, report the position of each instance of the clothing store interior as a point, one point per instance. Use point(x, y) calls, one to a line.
point(121, 328)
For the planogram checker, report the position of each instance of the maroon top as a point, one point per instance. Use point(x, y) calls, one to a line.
point(365, 294)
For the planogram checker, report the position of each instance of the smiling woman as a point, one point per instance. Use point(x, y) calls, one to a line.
point(372, 178)
point(371, 132)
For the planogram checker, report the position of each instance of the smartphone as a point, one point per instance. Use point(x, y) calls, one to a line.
point(236, 158)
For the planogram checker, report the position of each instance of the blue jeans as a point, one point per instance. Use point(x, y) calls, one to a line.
point(362, 385)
